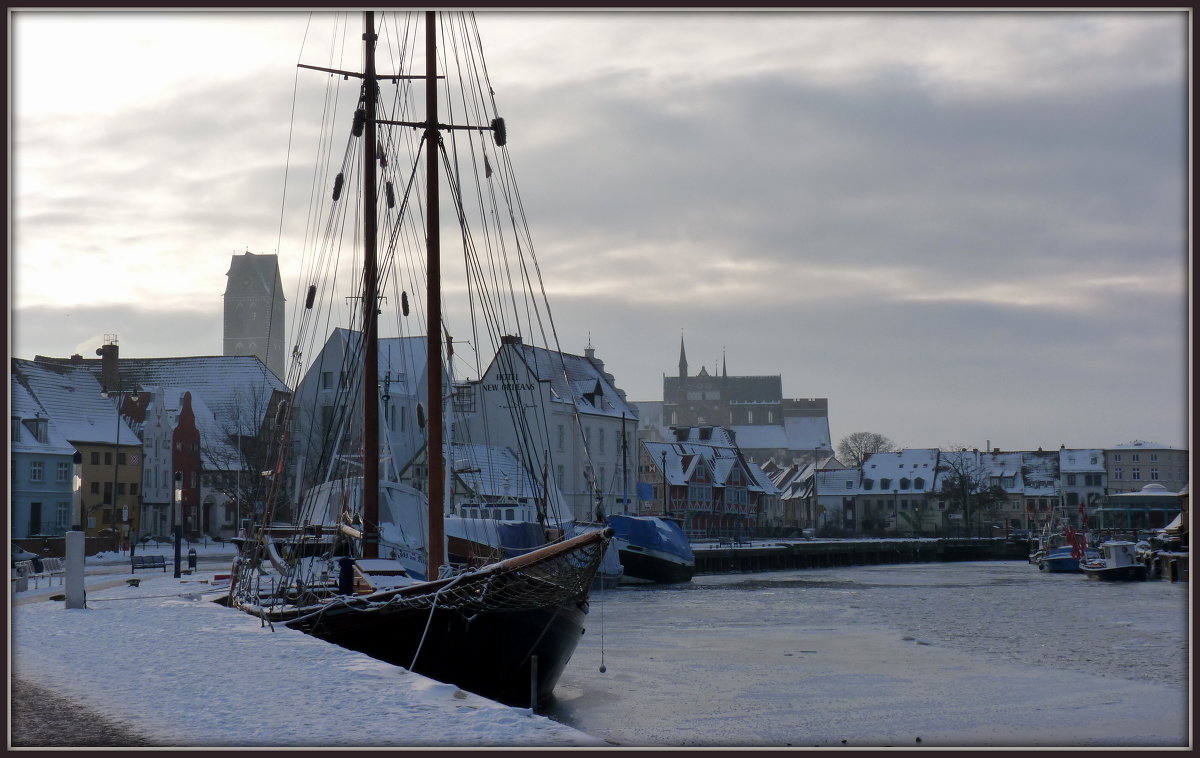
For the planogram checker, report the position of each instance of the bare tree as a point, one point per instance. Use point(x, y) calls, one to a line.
point(967, 484)
point(855, 447)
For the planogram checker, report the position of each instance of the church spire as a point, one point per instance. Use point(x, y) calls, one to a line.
point(682, 359)
point(724, 367)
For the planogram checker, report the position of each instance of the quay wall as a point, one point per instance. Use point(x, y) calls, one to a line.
point(781, 556)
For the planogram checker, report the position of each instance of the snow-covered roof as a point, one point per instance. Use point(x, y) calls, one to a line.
point(761, 436)
point(26, 408)
point(684, 458)
point(70, 397)
point(1142, 444)
point(1081, 460)
point(575, 379)
point(807, 432)
point(492, 471)
point(885, 470)
point(235, 387)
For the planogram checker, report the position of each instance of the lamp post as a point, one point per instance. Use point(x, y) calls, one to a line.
point(895, 510)
point(117, 459)
point(177, 505)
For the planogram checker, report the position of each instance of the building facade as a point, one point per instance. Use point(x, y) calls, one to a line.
point(1133, 465)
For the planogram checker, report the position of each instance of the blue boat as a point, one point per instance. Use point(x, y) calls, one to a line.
point(1062, 559)
point(652, 549)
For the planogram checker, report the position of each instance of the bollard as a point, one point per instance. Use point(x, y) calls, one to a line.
point(533, 688)
point(345, 575)
point(192, 558)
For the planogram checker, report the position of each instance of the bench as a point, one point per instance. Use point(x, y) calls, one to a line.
point(148, 562)
point(51, 567)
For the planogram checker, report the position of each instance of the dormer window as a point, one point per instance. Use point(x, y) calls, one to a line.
point(868, 484)
point(39, 428)
point(919, 483)
point(904, 483)
point(885, 483)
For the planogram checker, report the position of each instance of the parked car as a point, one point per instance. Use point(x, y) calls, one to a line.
point(21, 554)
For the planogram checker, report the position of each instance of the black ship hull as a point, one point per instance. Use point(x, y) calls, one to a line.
point(504, 655)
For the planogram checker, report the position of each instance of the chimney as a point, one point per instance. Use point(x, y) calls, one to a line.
point(110, 371)
point(76, 358)
point(510, 339)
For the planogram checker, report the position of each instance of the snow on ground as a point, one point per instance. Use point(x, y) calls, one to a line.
point(187, 672)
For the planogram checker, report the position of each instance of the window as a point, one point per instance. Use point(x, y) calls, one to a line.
point(885, 483)
point(1008, 481)
point(1071, 479)
point(1137, 474)
point(120, 488)
point(36, 471)
point(326, 380)
point(562, 437)
point(1153, 457)
point(1118, 474)
point(1154, 474)
point(749, 417)
point(133, 488)
point(849, 484)
point(120, 459)
point(770, 417)
point(904, 483)
point(1117, 457)
point(95, 488)
point(1136, 457)
point(602, 444)
point(868, 484)
point(16, 429)
point(558, 475)
point(63, 472)
point(108, 459)
point(95, 458)
point(62, 512)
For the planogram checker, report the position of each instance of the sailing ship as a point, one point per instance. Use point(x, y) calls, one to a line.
point(360, 558)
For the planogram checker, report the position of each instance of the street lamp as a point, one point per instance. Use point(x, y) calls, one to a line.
point(895, 510)
point(117, 459)
point(177, 505)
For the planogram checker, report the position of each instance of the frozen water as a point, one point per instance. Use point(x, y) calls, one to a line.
point(972, 654)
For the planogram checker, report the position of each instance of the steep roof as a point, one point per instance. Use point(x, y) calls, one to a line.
point(574, 379)
point(70, 397)
point(492, 471)
point(26, 407)
point(236, 388)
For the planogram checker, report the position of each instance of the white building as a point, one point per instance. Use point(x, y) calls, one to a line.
point(563, 416)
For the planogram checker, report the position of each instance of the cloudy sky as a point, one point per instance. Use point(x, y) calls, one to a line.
point(958, 227)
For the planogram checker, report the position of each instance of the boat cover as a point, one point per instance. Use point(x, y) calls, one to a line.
point(652, 533)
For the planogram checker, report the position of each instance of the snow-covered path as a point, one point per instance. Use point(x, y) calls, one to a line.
point(186, 672)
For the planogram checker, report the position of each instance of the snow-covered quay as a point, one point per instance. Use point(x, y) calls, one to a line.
point(183, 671)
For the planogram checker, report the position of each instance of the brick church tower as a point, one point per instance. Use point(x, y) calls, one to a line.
point(254, 321)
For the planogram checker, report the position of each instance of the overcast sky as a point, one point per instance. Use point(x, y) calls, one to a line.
point(957, 227)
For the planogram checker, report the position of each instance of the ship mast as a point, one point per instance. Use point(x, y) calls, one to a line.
point(433, 447)
point(370, 304)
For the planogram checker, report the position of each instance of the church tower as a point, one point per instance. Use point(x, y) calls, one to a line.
point(254, 321)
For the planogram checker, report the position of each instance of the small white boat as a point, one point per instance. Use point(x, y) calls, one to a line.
point(1116, 564)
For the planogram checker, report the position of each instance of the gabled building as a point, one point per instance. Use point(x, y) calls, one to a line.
point(898, 492)
point(234, 401)
point(703, 480)
point(69, 413)
point(565, 417)
point(326, 421)
point(41, 459)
